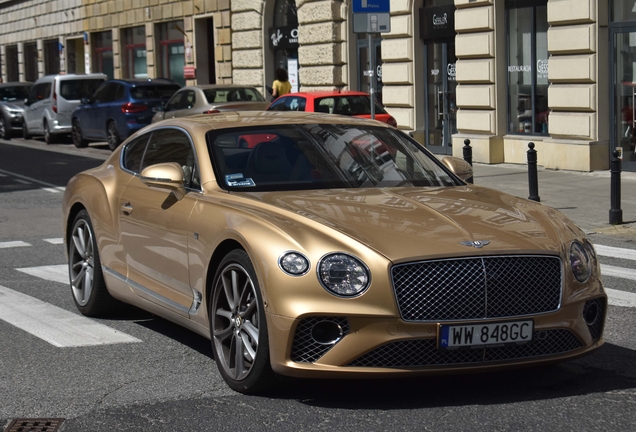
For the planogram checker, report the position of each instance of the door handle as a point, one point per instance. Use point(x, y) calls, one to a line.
point(126, 208)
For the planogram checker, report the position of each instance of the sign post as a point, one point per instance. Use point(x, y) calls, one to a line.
point(371, 16)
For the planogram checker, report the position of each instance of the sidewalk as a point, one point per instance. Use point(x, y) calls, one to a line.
point(583, 197)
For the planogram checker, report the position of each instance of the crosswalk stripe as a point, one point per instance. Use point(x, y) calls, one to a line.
point(620, 298)
point(55, 273)
point(55, 241)
point(55, 325)
point(49, 187)
point(12, 244)
point(614, 252)
point(618, 272)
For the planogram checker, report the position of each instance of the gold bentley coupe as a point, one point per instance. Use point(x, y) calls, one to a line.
point(315, 245)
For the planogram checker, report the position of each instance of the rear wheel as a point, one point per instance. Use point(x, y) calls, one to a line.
point(4, 134)
point(25, 130)
point(78, 139)
point(89, 290)
point(49, 138)
point(112, 135)
point(238, 326)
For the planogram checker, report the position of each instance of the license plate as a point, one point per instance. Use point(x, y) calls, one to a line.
point(478, 335)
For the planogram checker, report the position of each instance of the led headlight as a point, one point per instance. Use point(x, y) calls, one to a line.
point(343, 275)
point(294, 263)
point(580, 262)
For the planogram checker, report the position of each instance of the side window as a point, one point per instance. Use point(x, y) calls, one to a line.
point(296, 104)
point(172, 145)
point(278, 105)
point(134, 152)
point(39, 92)
point(100, 93)
point(175, 103)
point(190, 99)
point(324, 105)
point(119, 94)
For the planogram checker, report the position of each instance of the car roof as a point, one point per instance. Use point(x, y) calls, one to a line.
point(332, 93)
point(148, 81)
point(232, 119)
point(218, 86)
point(16, 84)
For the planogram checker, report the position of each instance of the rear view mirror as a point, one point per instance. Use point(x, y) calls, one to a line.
point(459, 167)
point(167, 175)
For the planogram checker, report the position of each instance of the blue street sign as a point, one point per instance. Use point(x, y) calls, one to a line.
point(371, 6)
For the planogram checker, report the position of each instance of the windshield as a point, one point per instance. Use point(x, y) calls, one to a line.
point(325, 156)
point(14, 93)
point(347, 105)
point(153, 91)
point(246, 94)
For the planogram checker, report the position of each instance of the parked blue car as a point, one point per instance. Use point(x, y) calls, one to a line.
point(118, 109)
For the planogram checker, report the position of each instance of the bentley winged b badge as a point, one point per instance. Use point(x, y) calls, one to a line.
point(476, 243)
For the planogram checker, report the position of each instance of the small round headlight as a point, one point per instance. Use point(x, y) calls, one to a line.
point(580, 262)
point(343, 275)
point(294, 263)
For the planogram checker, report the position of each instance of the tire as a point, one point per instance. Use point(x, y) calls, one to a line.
point(4, 134)
point(49, 138)
point(89, 290)
point(78, 139)
point(234, 323)
point(112, 136)
point(25, 130)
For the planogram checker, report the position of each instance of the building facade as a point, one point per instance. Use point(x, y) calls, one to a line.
point(502, 73)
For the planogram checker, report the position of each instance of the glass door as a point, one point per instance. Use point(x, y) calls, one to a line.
point(364, 64)
point(441, 108)
point(623, 115)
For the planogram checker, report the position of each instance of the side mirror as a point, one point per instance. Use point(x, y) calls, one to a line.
point(167, 175)
point(85, 101)
point(27, 102)
point(459, 167)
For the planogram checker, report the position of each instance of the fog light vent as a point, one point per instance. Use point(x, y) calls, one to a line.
point(315, 336)
point(594, 315)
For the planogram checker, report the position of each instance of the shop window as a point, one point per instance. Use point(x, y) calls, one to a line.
point(30, 53)
point(622, 10)
point(11, 60)
point(170, 51)
point(51, 57)
point(134, 63)
point(102, 45)
point(527, 27)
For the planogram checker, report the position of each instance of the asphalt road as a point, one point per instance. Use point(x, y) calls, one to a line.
point(166, 379)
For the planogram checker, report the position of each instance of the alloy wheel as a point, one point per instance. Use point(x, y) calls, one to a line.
point(81, 262)
point(235, 321)
point(3, 128)
point(112, 136)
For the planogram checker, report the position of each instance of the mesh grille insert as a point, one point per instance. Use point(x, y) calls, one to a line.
point(424, 352)
point(477, 288)
point(305, 349)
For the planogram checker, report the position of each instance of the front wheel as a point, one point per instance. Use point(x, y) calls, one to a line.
point(238, 327)
point(4, 134)
point(25, 131)
point(85, 270)
point(112, 136)
point(78, 139)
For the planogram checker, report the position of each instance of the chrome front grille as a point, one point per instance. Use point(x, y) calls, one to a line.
point(478, 288)
point(424, 352)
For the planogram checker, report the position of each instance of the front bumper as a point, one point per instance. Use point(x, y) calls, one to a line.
point(385, 346)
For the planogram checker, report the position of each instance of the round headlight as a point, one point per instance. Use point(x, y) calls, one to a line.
point(343, 275)
point(580, 262)
point(294, 263)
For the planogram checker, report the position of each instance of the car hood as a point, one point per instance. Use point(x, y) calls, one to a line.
point(14, 105)
point(412, 223)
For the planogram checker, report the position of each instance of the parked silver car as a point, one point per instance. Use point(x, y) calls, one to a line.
point(210, 99)
point(52, 100)
point(12, 97)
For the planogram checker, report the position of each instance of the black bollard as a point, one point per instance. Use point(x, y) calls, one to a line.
point(615, 214)
point(468, 156)
point(533, 179)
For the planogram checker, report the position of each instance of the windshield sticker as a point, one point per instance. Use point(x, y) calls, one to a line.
point(237, 180)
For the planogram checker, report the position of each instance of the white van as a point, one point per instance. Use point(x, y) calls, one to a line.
point(52, 100)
